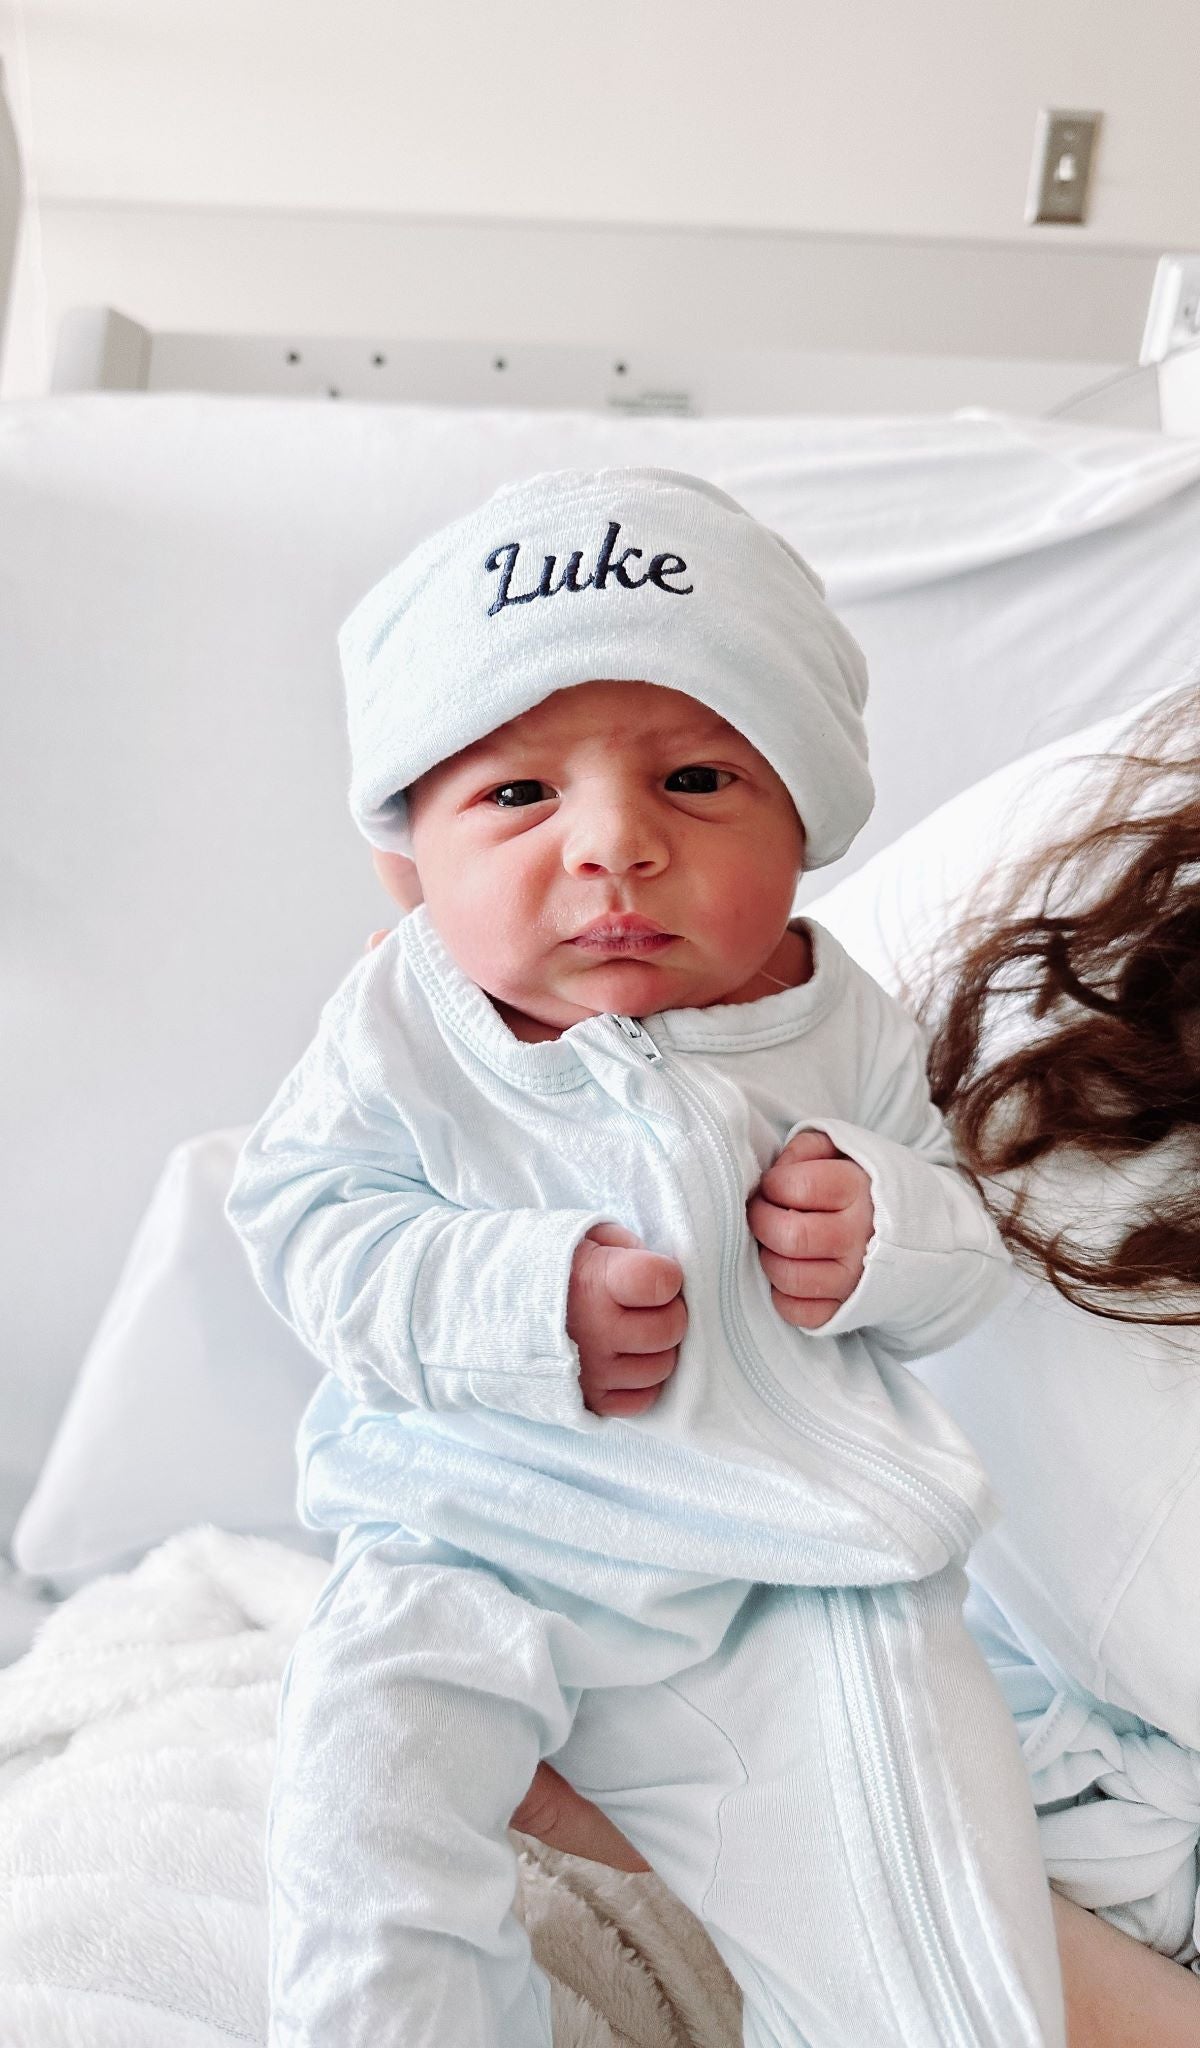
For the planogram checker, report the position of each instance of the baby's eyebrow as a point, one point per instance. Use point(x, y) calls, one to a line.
point(684, 743)
point(680, 737)
point(676, 739)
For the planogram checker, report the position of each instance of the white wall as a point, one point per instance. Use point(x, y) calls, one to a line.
point(914, 117)
point(850, 117)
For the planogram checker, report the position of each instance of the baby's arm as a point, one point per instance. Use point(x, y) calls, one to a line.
point(537, 1312)
point(934, 1264)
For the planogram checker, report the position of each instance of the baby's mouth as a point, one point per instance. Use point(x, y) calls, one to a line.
point(623, 933)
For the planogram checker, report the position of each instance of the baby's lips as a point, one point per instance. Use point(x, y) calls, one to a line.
point(623, 924)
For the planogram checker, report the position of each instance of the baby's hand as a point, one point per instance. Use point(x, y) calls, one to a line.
point(813, 1217)
point(626, 1314)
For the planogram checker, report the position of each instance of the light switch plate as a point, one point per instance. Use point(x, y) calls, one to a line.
point(1063, 153)
point(1173, 317)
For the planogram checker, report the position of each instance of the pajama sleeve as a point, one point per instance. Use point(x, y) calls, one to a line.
point(935, 1265)
point(391, 1286)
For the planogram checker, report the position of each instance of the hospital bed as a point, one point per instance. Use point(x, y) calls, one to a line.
point(182, 889)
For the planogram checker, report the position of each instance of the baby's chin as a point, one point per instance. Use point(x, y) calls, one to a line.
point(629, 988)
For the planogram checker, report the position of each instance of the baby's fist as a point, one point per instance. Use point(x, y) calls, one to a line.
point(813, 1217)
point(626, 1316)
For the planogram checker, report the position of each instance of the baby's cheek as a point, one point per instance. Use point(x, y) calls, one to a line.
point(483, 935)
point(739, 932)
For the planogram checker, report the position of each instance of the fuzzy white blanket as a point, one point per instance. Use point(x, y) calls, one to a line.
point(136, 1741)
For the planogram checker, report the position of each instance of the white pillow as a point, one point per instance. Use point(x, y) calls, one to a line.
point(892, 912)
point(187, 1403)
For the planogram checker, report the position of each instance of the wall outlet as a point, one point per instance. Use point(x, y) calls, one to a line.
point(1063, 149)
point(1173, 317)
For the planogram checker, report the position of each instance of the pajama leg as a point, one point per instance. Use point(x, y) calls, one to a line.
point(417, 1704)
point(838, 1795)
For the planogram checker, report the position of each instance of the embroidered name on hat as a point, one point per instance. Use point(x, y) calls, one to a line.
point(503, 561)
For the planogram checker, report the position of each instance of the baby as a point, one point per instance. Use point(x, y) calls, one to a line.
point(627, 1473)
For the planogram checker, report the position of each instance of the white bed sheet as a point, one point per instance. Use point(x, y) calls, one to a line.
point(178, 878)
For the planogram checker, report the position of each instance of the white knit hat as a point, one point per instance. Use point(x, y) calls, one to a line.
point(640, 575)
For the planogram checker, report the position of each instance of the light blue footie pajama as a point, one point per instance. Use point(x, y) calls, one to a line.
point(835, 1791)
point(735, 1622)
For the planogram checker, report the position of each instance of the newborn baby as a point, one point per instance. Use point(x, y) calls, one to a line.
point(627, 1473)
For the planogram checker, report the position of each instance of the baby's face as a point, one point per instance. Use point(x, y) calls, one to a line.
point(619, 847)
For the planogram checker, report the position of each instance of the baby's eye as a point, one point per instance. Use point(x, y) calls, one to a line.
point(699, 781)
point(511, 796)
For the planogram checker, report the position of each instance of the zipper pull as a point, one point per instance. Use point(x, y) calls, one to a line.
point(641, 1040)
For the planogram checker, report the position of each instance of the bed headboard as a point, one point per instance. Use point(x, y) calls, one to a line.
point(100, 349)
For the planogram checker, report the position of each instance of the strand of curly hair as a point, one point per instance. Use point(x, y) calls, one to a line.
point(1100, 937)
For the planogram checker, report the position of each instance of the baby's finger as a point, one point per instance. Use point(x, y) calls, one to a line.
point(626, 1370)
point(798, 1233)
point(804, 1315)
point(640, 1279)
point(630, 1401)
point(642, 1330)
point(614, 1233)
point(376, 939)
point(807, 1279)
point(813, 1183)
point(810, 1145)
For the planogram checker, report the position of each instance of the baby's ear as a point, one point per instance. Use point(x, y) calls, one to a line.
point(399, 877)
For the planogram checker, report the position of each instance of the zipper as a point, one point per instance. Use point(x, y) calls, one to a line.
point(949, 1516)
point(947, 1990)
point(639, 1039)
point(884, 1778)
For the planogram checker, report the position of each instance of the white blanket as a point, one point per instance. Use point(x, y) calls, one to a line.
point(136, 1742)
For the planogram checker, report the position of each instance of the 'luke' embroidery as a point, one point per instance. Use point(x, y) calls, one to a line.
point(503, 561)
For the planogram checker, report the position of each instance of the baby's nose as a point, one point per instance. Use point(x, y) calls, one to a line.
point(615, 839)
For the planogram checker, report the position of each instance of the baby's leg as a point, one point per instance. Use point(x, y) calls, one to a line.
point(839, 1796)
point(417, 1705)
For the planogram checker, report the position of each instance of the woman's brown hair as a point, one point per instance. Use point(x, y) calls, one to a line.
point(1097, 941)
